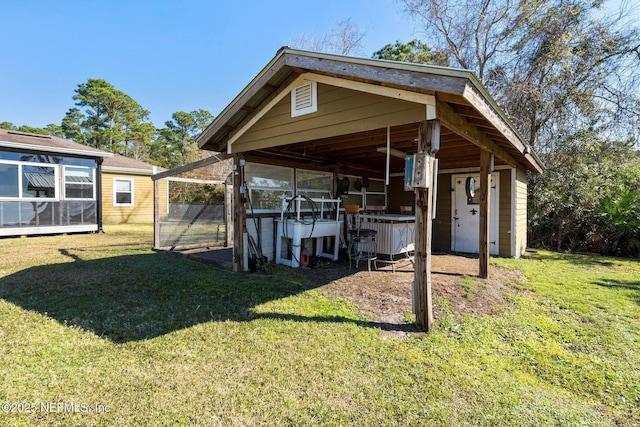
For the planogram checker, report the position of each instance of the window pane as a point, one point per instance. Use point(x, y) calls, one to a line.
point(78, 183)
point(376, 199)
point(352, 199)
point(78, 191)
point(8, 180)
point(265, 176)
point(313, 180)
point(123, 185)
point(267, 199)
point(38, 181)
point(123, 198)
point(376, 185)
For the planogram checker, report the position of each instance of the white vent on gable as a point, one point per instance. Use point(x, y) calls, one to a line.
point(304, 99)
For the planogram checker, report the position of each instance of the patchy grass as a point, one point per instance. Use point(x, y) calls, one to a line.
point(136, 338)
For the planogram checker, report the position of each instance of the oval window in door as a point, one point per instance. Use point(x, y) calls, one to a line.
point(470, 187)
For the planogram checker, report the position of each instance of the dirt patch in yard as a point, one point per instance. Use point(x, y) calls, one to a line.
point(384, 297)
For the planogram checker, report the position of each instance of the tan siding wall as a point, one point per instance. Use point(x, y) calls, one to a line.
point(142, 209)
point(504, 232)
point(441, 241)
point(521, 212)
point(396, 196)
point(163, 199)
point(340, 111)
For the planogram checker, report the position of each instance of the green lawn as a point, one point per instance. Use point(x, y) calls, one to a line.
point(99, 330)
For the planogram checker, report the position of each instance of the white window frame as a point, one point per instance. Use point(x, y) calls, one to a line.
point(21, 196)
point(115, 198)
point(64, 183)
point(328, 192)
point(289, 190)
point(362, 194)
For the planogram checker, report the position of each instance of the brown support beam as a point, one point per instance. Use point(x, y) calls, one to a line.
point(485, 211)
point(462, 127)
point(428, 143)
point(238, 213)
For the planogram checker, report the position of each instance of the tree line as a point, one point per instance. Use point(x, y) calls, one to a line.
point(108, 119)
point(564, 71)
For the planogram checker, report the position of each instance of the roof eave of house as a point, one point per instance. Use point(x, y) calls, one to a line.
point(128, 171)
point(56, 150)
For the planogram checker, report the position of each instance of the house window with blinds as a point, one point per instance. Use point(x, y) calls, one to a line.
point(122, 192)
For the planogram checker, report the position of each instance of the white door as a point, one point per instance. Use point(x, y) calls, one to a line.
point(465, 233)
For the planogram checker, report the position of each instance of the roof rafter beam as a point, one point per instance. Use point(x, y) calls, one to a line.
point(462, 127)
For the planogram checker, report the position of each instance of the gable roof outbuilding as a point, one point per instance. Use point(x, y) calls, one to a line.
point(456, 97)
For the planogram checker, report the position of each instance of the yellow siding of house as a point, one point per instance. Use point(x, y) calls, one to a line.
point(504, 232)
point(521, 212)
point(142, 209)
point(340, 111)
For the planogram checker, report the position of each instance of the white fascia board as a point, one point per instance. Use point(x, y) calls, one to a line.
point(129, 171)
point(31, 147)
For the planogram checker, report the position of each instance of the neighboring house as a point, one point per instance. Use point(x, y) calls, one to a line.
point(51, 185)
point(48, 185)
point(127, 190)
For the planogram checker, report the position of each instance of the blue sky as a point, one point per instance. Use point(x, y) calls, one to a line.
point(167, 55)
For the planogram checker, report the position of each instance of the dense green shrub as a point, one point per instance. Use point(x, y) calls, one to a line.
point(587, 200)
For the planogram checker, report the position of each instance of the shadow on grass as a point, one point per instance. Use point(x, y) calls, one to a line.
point(137, 297)
point(582, 260)
point(632, 285)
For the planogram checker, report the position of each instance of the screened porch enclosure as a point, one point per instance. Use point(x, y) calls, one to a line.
point(45, 193)
point(15, 214)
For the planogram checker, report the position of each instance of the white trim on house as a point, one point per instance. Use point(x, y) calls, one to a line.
point(56, 150)
point(130, 171)
point(23, 231)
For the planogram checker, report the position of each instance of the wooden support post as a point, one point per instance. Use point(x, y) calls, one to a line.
point(485, 206)
point(238, 213)
point(428, 142)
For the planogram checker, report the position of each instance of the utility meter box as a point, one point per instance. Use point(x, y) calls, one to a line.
point(416, 171)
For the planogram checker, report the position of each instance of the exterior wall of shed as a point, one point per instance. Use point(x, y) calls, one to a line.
point(340, 112)
point(142, 209)
point(505, 222)
point(520, 214)
point(442, 222)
